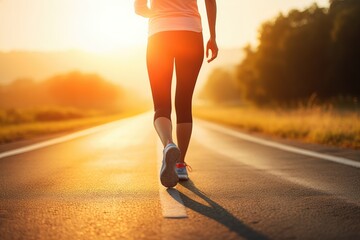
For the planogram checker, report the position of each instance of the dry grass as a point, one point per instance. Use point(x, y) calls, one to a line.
point(43, 114)
point(21, 131)
point(315, 125)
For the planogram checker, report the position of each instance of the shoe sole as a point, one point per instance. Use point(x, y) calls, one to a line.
point(183, 178)
point(168, 175)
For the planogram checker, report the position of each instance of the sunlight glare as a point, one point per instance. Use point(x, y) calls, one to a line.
point(107, 26)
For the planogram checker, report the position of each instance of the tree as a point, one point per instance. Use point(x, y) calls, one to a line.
point(315, 51)
point(83, 90)
point(344, 70)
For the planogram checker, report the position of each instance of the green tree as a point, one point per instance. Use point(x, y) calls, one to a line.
point(315, 51)
point(344, 70)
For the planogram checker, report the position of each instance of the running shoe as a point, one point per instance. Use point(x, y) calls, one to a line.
point(168, 176)
point(182, 171)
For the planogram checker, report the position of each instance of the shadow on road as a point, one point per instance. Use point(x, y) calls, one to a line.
point(218, 213)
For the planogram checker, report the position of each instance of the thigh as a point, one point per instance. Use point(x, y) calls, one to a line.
point(188, 62)
point(160, 64)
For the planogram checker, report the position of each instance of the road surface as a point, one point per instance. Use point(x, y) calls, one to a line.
point(103, 184)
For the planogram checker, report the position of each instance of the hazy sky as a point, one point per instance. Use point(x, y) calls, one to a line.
point(107, 25)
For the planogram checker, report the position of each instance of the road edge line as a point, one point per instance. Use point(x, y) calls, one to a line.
point(249, 138)
point(64, 138)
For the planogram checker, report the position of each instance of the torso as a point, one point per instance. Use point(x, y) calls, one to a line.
point(172, 15)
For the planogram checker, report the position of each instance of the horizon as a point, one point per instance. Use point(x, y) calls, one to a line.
point(108, 65)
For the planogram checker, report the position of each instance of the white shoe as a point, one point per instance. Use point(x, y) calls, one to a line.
point(182, 171)
point(168, 175)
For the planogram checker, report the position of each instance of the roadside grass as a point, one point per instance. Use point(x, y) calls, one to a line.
point(44, 113)
point(320, 125)
point(25, 126)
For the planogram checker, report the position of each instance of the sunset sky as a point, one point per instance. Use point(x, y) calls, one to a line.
point(108, 25)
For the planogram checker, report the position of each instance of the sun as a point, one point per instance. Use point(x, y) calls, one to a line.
point(103, 26)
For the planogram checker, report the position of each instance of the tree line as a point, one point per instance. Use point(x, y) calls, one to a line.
point(314, 52)
point(72, 89)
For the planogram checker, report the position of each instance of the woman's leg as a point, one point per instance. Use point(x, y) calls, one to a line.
point(163, 127)
point(183, 134)
point(188, 63)
point(160, 62)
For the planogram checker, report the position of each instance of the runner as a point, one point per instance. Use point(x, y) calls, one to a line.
point(175, 38)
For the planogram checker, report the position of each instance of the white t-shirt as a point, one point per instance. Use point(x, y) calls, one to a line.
point(170, 15)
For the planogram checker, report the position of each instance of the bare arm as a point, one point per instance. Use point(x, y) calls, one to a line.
point(142, 9)
point(211, 10)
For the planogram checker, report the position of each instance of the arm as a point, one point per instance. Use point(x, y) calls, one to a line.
point(211, 14)
point(142, 9)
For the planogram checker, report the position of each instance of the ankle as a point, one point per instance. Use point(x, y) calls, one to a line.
point(169, 142)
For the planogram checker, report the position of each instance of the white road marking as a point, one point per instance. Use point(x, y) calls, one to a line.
point(283, 147)
point(65, 138)
point(171, 203)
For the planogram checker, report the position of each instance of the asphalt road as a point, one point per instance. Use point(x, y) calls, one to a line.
point(104, 185)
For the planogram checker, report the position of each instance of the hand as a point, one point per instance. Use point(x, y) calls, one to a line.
point(211, 46)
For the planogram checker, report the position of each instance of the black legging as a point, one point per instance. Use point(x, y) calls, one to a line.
point(186, 49)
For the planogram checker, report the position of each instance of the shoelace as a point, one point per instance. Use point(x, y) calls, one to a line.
point(188, 167)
